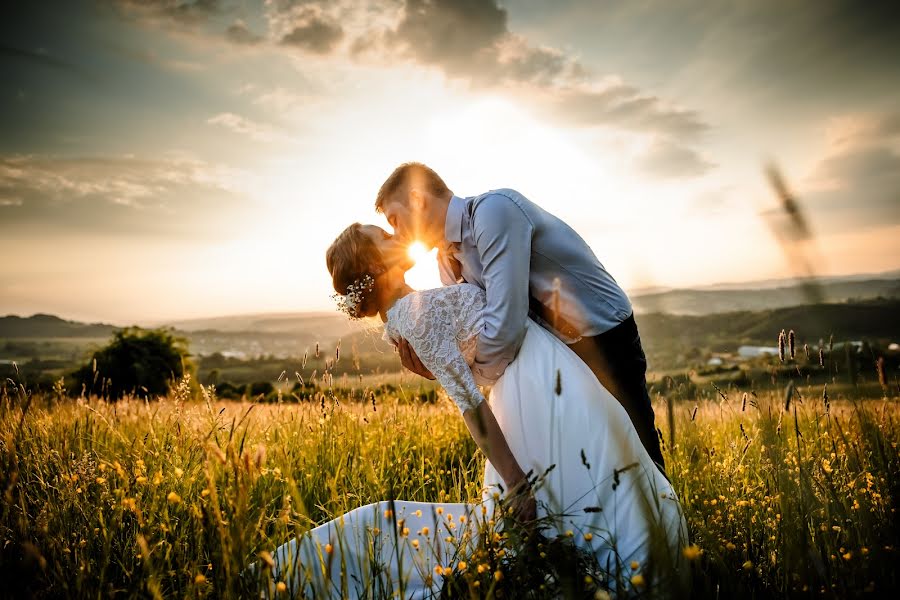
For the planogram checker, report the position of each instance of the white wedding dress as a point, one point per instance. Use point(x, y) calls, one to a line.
point(552, 411)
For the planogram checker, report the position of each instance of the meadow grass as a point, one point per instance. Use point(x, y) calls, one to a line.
point(175, 497)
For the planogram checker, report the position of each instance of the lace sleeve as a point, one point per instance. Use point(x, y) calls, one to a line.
point(429, 325)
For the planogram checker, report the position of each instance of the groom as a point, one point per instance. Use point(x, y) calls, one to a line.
point(530, 263)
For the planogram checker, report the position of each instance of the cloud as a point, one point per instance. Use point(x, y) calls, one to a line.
point(238, 33)
point(238, 124)
point(669, 160)
point(172, 197)
point(856, 182)
point(314, 34)
point(452, 34)
point(468, 41)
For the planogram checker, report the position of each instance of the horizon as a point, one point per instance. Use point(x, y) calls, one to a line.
point(168, 162)
point(787, 282)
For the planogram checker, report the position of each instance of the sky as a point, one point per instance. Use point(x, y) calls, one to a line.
point(172, 159)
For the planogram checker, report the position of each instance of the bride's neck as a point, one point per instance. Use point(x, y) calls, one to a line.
point(391, 298)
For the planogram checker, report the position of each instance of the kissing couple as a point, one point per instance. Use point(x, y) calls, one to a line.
point(567, 428)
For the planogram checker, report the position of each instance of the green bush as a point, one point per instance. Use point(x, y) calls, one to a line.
point(142, 362)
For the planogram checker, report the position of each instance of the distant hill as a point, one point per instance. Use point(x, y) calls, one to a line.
point(712, 301)
point(50, 326)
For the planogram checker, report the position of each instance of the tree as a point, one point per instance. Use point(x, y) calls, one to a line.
point(143, 362)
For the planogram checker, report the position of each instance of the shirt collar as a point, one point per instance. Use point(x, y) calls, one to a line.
point(453, 225)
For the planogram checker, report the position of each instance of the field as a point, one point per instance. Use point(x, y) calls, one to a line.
point(786, 495)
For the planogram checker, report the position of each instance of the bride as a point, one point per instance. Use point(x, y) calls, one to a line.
point(592, 480)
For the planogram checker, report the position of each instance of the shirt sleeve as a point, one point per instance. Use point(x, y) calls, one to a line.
point(431, 334)
point(503, 234)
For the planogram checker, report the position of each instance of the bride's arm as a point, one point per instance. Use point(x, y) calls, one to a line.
point(430, 332)
point(487, 434)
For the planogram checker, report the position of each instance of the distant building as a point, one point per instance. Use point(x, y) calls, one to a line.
point(757, 351)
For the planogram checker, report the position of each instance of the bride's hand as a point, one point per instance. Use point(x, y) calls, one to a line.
point(521, 502)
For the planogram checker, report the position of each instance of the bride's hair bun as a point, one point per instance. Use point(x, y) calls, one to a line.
point(353, 259)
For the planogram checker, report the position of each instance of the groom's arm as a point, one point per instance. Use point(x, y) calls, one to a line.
point(503, 235)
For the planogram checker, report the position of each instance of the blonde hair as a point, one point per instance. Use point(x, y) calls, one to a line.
point(400, 178)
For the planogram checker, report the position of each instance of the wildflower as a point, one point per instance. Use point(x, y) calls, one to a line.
point(280, 587)
point(418, 513)
point(730, 546)
point(634, 565)
point(588, 536)
point(588, 579)
point(267, 558)
point(438, 569)
point(847, 556)
point(481, 568)
point(173, 498)
point(329, 548)
point(199, 579)
point(569, 533)
point(415, 544)
point(425, 530)
point(498, 575)
point(448, 571)
point(692, 552)
point(462, 565)
point(637, 580)
point(601, 595)
point(439, 510)
point(141, 479)
point(747, 565)
point(101, 480)
point(157, 479)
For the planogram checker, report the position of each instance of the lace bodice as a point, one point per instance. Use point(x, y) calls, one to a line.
point(442, 325)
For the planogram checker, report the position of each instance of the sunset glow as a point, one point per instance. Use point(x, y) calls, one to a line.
point(424, 274)
point(252, 142)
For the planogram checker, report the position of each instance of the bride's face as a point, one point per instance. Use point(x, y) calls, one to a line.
point(393, 252)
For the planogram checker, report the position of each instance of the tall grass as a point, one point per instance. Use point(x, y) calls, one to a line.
point(175, 498)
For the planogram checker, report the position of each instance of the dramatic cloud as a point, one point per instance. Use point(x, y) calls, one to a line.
point(176, 197)
point(314, 34)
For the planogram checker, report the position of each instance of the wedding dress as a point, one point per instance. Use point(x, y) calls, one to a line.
point(603, 490)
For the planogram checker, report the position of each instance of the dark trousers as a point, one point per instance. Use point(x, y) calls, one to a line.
point(617, 359)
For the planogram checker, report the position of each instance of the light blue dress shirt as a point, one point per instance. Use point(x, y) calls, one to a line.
point(520, 254)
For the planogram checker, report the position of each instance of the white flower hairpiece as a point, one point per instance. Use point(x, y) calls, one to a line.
point(356, 292)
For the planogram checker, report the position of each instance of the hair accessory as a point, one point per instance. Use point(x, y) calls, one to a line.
point(356, 292)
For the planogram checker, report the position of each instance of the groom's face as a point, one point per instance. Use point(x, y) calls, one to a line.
point(411, 220)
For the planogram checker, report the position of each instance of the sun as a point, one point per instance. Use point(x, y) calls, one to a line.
point(417, 251)
point(424, 273)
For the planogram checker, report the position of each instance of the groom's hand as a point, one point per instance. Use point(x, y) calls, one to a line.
point(410, 360)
